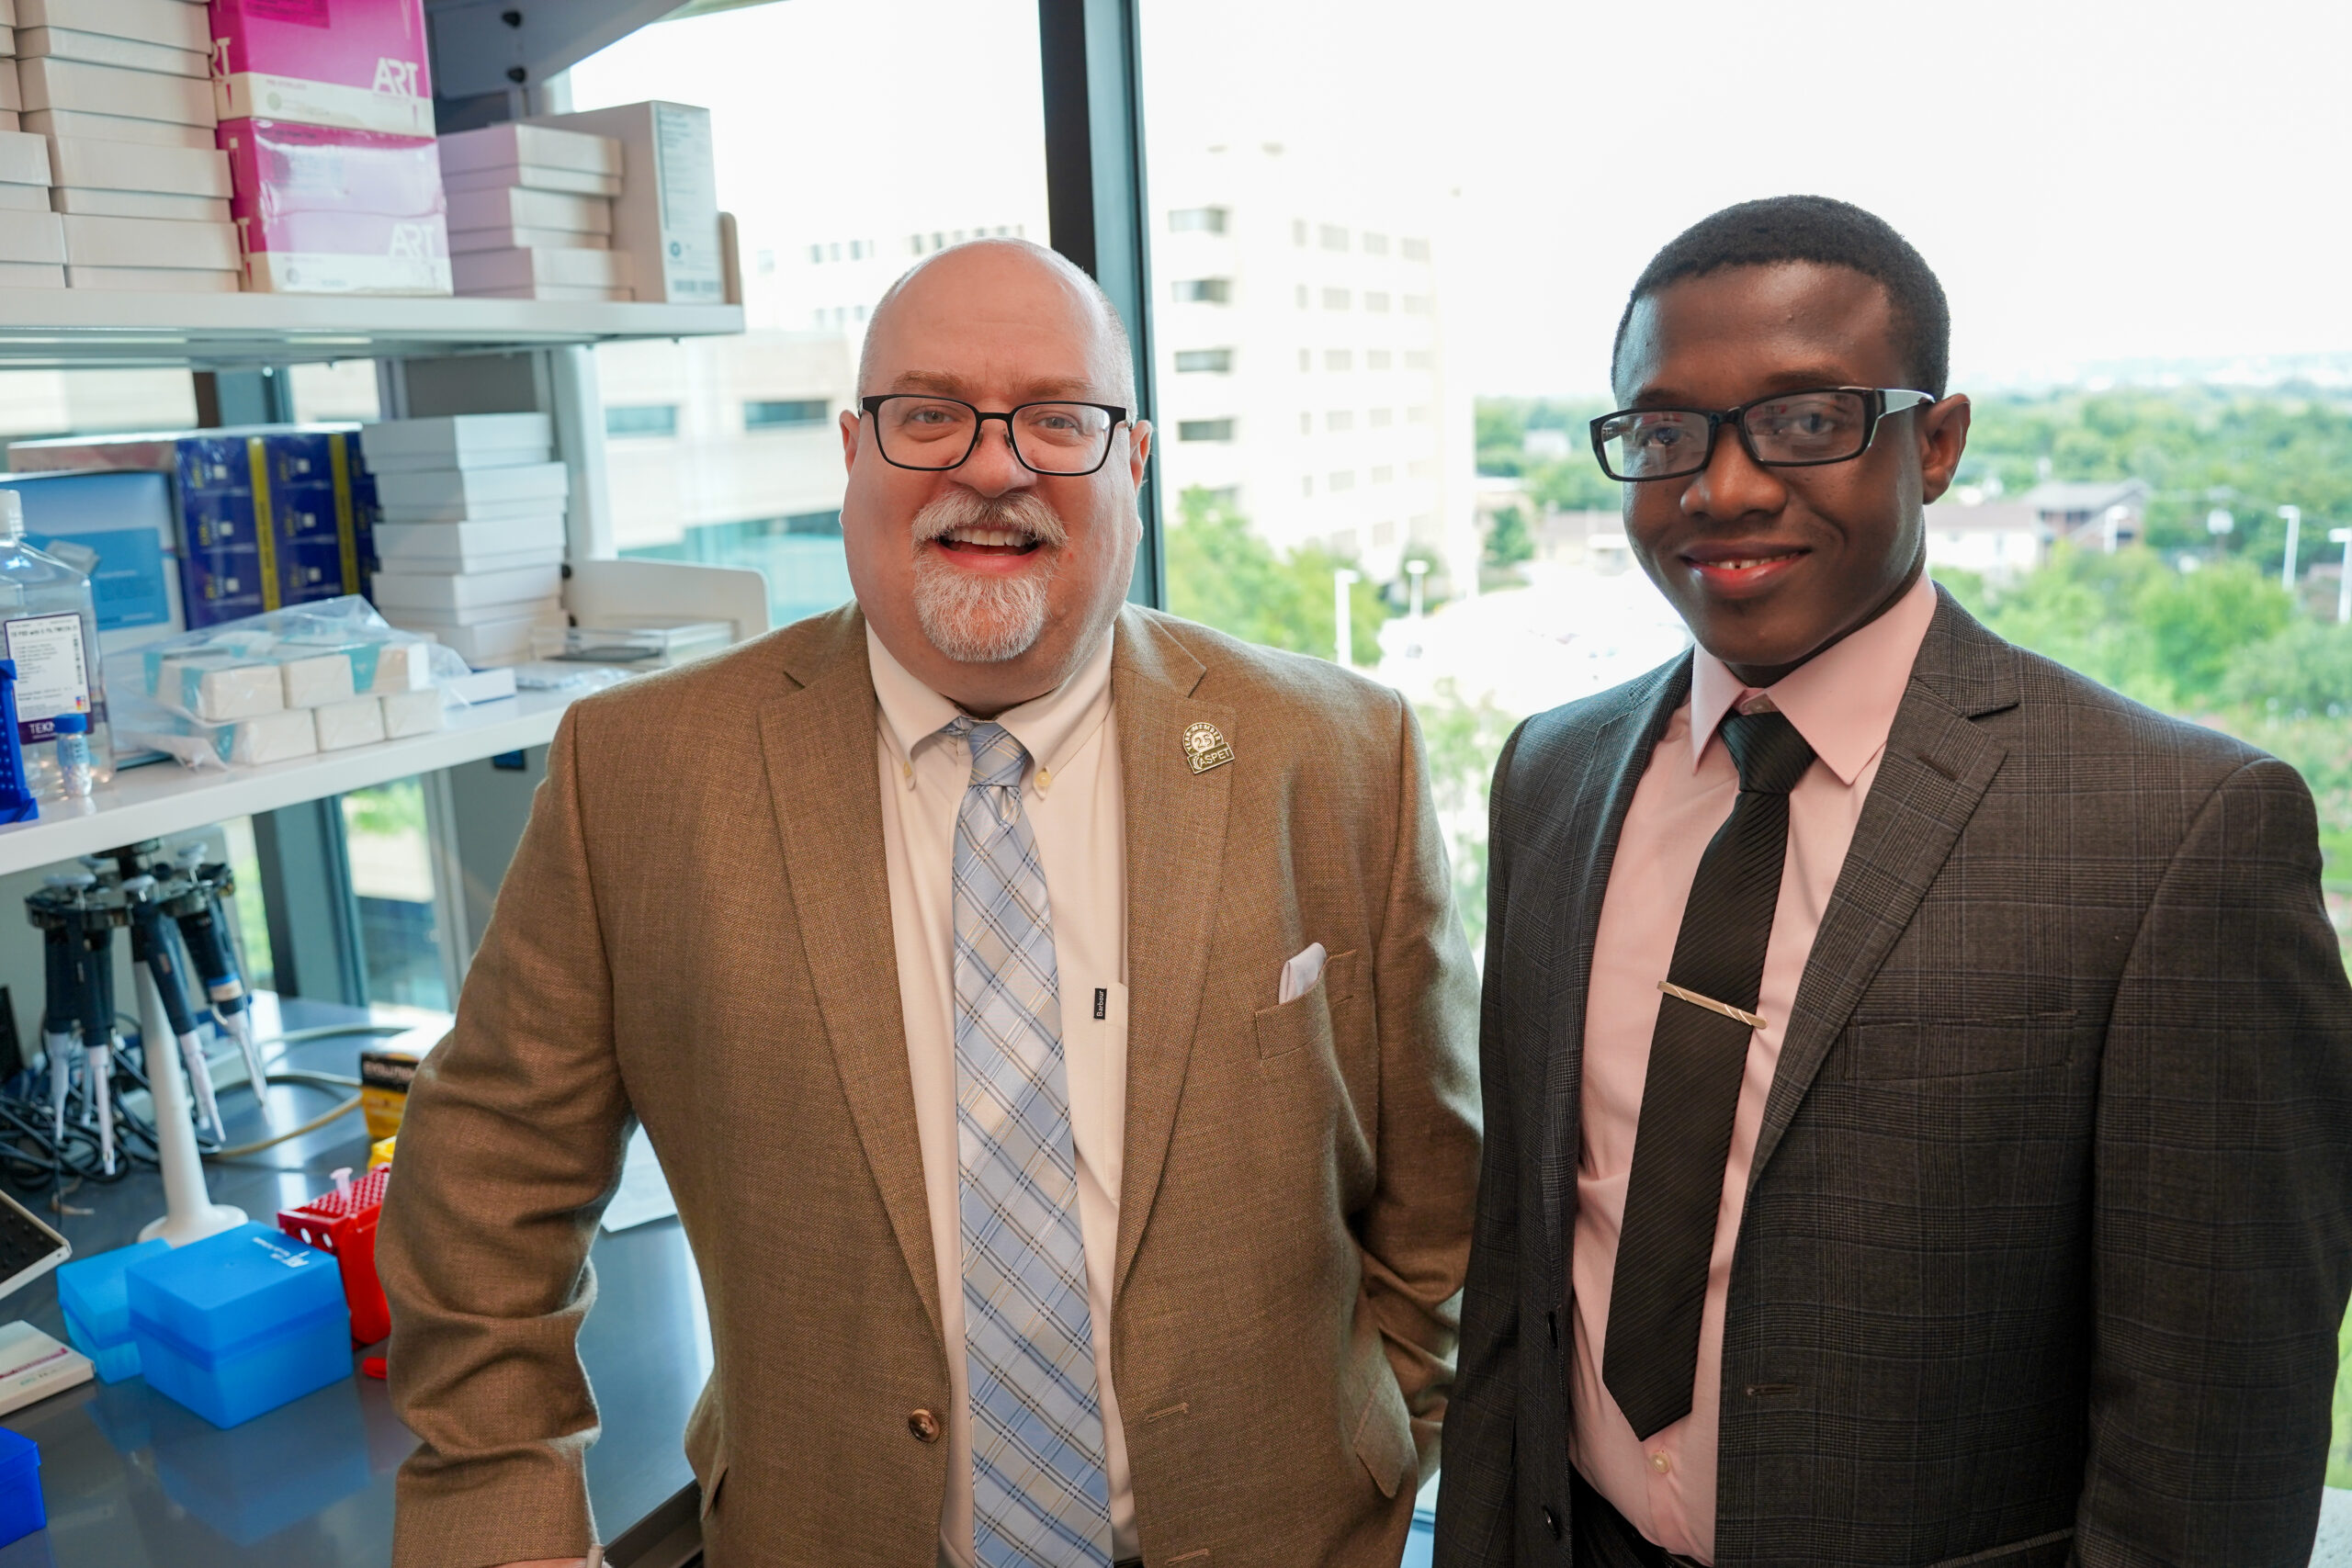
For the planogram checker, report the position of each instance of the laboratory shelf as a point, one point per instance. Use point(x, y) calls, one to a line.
point(163, 798)
point(62, 328)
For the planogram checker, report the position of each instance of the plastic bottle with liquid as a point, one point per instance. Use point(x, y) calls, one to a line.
point(49, 626)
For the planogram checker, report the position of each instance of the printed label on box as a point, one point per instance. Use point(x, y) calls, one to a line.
point(52, 678)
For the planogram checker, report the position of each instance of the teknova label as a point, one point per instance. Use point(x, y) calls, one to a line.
point(52, 678)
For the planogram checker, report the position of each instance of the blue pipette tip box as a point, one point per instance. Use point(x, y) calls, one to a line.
point(98, 1308)
point(240, 1322)
point(21, 1510)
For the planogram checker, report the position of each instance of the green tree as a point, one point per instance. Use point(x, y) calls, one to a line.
point(1222, 574)
point(1508, 540)
point(1465, 740)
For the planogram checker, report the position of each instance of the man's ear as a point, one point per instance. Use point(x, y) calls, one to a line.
point(1944, 437)
point(849, 438)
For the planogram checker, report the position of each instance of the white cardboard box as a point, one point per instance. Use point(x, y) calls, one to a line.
point(105, 49)
point(504, 640)
point(23, 158)
point(118, 165)
point(531, 209)
point(456, 494)
point(32, 237)
point(117, 128)
point(516, 142)
point(413, 713)
point(533, 176)
point(155, 279)
point(171, 23)
point(476, 272)
point(159, 243)
point(109, 89)
point(358, 722)
point(12, 95)
point(398, 543)
point(458, 441)
point(30, 275)
point(133, 204)
point(545, 556)
point(667, 213)
point(442, 591)
point(19, 199)
point(511, 238)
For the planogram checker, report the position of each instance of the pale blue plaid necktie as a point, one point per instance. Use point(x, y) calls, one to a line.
point(1041, 1494)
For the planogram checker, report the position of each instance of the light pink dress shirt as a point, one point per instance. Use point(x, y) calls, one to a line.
point(1843, 703)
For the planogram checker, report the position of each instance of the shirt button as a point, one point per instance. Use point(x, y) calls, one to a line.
point(1661, 1461)
point(1552, 1523)
point(1044, 780)
point(923, 1425)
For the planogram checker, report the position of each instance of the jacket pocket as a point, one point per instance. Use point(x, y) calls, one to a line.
point(1961, 1047)
point(1294, 1025)
point(1382, 1434)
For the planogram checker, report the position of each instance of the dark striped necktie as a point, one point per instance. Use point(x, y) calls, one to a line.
point(1698, 1056)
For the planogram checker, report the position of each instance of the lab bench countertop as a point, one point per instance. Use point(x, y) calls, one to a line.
point(134, 1481)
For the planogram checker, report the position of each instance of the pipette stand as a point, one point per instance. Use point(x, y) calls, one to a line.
point(189, 1213)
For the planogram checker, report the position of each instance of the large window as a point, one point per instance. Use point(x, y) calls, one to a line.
point(753, 477)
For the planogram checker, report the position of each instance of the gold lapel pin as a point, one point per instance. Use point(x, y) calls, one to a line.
point(1206, 746)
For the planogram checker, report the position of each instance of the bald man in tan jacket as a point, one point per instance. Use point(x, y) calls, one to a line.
point(730, 918)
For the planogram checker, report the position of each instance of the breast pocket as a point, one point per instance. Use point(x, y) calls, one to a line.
point(1287, 1031)
point(1912, 1049)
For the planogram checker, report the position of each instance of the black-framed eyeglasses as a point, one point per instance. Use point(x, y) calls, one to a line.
point(916, 429)
point(1787, 430)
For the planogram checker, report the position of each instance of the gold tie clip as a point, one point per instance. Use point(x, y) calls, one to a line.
point(1695, 999)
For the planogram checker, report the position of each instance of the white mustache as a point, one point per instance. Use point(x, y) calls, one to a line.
point(1020, 512)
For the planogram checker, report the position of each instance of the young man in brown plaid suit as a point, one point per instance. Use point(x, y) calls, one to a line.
point(1918, 1080)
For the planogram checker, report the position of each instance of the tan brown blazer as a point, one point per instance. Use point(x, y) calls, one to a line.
point(696, 932)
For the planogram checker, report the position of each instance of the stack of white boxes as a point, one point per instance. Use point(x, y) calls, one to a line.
point(121, 89)
point(531, 213)
point(32, 241)
point(469, 540)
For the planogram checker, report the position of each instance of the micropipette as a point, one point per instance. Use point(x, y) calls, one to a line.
point(97, 996)
point(213, 957)
point(151, 944)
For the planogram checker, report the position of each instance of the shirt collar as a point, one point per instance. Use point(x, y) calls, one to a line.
point(1842, 700)
point(1050, 728)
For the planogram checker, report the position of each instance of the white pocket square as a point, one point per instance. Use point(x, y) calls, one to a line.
point(1300, 974)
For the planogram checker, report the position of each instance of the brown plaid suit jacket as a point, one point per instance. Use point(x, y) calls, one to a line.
point(2050, 1228)
point(696, 931)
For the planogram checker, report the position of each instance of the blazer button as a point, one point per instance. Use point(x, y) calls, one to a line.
point(1552, 1523)
point(925, 1428)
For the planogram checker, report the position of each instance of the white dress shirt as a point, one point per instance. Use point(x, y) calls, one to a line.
point(1077, 815)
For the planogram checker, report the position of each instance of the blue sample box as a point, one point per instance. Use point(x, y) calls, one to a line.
point(21, 1508)
point(240, 1322)
point(98, 1308)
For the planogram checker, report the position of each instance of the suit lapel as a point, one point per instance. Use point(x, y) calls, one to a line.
point(1937, 767)
point(818, 745)
point(1175, 834)
point(1610, 769)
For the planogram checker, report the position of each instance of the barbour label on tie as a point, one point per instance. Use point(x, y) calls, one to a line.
point(1206, 746)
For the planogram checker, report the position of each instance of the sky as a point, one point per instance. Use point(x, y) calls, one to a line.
point(2096, 182)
